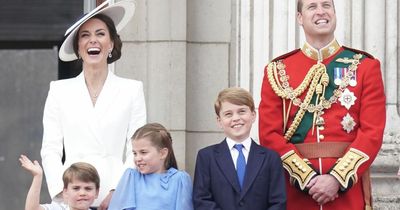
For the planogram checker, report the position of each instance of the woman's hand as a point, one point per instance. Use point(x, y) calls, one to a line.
point(106, 202)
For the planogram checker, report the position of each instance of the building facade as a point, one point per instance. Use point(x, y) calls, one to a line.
point(186, 51)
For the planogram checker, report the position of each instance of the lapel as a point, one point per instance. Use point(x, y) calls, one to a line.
point(254, 162)
point(81, 94)
point(94, 115)
point(107, 95)
point(225, 163)
point(86, 109)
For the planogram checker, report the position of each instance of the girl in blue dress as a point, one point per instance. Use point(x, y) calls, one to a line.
point(155, 183)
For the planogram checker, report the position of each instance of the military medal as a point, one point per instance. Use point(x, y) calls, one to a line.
point(347, 99)
point(338, 75)
point(353, 79)
point(348, 123)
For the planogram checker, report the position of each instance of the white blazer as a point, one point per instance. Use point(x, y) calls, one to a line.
point(98, 134)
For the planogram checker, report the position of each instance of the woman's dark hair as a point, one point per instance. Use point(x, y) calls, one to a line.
point(159, 137)
point(116, 52)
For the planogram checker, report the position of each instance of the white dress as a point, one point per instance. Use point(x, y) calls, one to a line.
point(98, 134)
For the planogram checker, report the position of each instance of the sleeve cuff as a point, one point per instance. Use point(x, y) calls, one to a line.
point(298, 169)
point(345, 169)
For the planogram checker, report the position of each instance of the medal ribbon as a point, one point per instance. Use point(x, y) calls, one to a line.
point(307, 121)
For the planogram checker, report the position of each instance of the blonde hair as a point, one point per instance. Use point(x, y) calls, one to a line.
point(234, 95)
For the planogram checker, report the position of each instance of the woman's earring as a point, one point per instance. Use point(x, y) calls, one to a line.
point(109, 54)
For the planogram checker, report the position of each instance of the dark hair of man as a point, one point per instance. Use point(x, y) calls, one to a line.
point(300, 5)
point(116, 52)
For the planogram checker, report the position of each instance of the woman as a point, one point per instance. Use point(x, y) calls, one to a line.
point(93, 115)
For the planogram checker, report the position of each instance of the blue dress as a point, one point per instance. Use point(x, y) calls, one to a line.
point(166, 191)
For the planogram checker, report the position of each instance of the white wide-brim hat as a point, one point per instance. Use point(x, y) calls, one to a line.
point(120, 12)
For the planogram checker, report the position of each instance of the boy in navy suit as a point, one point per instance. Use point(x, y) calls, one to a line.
point(238, 173)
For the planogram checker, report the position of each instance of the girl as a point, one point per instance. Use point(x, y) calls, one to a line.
point(155, 183)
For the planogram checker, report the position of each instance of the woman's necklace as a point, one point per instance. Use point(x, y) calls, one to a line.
point(93, 94)
point(94, 85)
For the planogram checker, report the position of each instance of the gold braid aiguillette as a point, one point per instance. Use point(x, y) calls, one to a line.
point(279, 82)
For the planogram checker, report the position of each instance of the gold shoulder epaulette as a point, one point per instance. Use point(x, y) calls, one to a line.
point(346, 167)
point(298, 168)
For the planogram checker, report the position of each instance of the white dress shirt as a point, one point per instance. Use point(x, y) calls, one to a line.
point(235, 153)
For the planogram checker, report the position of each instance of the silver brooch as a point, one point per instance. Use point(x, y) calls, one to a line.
point(348, 123)
point(347, 99)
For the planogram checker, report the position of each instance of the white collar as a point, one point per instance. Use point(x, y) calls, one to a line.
point(246, 143)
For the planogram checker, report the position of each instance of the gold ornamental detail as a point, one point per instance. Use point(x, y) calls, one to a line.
point(316, 80)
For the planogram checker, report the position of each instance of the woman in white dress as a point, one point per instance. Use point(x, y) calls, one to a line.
point(93, 115)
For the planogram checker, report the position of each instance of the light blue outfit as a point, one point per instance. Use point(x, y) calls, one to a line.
point(167, 191)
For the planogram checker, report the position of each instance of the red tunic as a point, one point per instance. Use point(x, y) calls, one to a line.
point(368, 113)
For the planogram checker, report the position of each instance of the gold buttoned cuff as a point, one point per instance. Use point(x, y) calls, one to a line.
point(347, 166)
point(298, 168)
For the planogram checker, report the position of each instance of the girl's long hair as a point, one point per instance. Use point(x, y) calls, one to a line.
point(159, 137)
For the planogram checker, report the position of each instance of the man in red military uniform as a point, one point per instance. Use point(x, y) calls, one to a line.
point(323, 110)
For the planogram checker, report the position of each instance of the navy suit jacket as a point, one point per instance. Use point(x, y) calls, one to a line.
point(216, 186)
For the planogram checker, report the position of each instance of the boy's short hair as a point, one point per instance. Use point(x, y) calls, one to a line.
point(234, 95)
point(81, 171)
